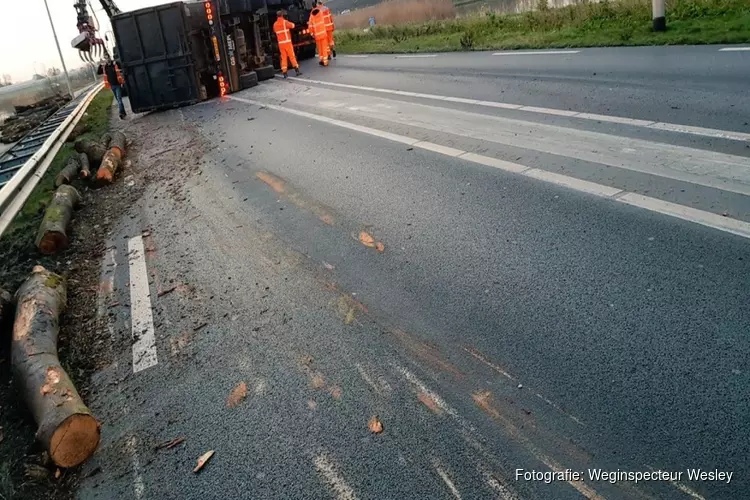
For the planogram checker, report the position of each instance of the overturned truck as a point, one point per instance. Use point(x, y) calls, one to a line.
point(182, 53)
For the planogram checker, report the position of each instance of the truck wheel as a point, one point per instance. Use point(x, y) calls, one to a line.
point(248, 80)
point(265, 72)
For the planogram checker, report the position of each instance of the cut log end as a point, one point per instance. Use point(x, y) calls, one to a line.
point(75, 440)
point(52, 241)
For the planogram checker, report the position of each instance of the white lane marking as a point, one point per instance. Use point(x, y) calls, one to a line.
point(141, 317)
point(535, 52)
point(495, 163)
point(446, 478)
point(572, 183)
point(682, 487)
point(443, 150)
point(131, 448)
point(416, 56)
point(477, 355)
point(381, 386)
point(716, 221)
point(494, 483)
point(334, 479)
point(357, 56)
point(439, 401)
point(735, 49)
point(702, 217)
point(670, 127)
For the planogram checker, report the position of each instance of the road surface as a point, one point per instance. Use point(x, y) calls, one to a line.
point(520, 264)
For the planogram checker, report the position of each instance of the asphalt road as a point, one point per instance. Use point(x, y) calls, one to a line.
point(503, 288)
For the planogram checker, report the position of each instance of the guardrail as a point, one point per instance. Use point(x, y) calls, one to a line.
point(16, 191)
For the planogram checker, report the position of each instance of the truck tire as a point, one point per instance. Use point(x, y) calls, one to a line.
point(308, 51)
point(248, 80)
point(265, 72)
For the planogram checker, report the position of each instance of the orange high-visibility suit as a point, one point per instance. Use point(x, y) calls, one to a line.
point(286, 51)
point(330, 27)
point(317, 25)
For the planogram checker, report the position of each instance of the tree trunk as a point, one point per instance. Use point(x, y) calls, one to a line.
point(106, 139)
point(66, 427)
point(93, 149)
point(80, 129)
point(69, 172)
point(85, 166)
point(52, 234)
point(108, 170)
point(117, 144)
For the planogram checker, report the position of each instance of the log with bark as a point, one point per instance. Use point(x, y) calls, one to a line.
point(66, 427)
point(52, 234)
point(106, 139)
point(85, 166)
point(93, 149)
point(117, 144)
point(108, 169)
point(69, 172)
point(80, 129)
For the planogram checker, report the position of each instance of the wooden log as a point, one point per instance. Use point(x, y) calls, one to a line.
point(80, 129)
point(52, 235)
point(69, 171)
point(93, 149)
point(108, 169)
point(117, 144)
point(85, 166)
point(66, 427)
point(106, 139)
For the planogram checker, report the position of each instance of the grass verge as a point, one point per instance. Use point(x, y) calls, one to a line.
point(602, 24)
point(24, 473)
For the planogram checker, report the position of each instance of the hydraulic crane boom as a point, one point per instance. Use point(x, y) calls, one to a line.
point(89, 45)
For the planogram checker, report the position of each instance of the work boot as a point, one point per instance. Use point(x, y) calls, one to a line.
point(322, 63)
point(333, 51)
point(285, 75)
point(299, 73)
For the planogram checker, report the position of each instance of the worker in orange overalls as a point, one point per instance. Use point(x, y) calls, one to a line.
point(286, 51)
point(317, 25)
point(330, 27)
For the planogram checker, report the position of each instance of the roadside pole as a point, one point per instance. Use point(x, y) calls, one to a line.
point(658, 15)
point(54, 34)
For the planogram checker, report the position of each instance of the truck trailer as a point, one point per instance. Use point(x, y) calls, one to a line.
point(182, 53)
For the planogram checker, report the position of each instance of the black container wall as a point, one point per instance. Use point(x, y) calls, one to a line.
point(156, 57)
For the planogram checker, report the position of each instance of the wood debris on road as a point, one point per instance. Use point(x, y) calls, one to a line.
point(203, 460)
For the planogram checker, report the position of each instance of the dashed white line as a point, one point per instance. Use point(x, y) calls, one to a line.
point(670, 127)
point(142, 320)
point(702, 217)
point(446, 479)
point(335, 481)
point(535, 52)
point(735, 49)
point(131, 448)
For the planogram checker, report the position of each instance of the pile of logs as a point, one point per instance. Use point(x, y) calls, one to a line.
point(27, 118)
point(103, 157)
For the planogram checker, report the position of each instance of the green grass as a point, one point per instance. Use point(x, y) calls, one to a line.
point(18, 239)
point(627, 22)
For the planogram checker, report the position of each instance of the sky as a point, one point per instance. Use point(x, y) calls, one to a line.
point(27, 45)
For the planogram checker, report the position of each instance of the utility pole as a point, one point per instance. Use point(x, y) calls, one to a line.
point(658, 15)
point(54, 34)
